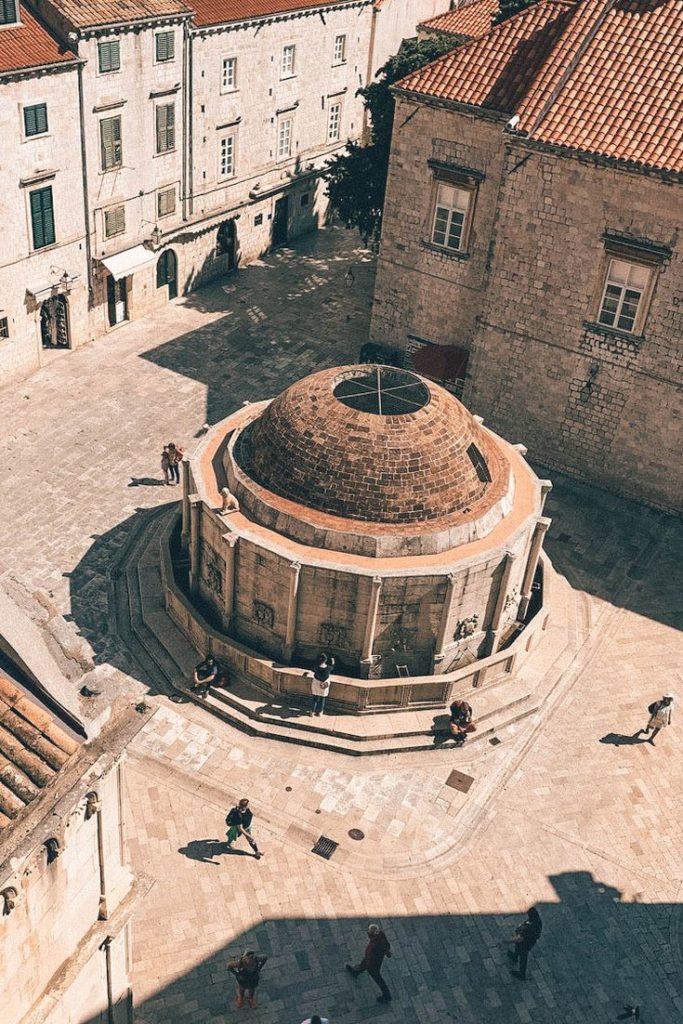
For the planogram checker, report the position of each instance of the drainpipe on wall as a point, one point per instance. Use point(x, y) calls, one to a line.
point(84, 175)
point(106, 949)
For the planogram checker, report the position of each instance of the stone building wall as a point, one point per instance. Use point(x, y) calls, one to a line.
point(603, 405)
point(30, 163)
point(59, 909)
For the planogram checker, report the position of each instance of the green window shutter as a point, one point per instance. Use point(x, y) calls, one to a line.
point(109, 56)
point(42, 217)
point(165, 43)
point(170, 126)
point(35, 119)
point(8, 12)
point(110, 134)
point(165, 128)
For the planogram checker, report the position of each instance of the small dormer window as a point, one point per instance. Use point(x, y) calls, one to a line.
point(9, 12)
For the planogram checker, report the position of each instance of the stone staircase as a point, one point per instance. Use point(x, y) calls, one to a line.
point(168, 659)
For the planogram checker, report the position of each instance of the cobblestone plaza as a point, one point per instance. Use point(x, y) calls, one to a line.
point(566, 811)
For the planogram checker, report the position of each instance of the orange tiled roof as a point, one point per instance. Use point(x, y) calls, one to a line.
point(33, 748)
point(472, 19)
point(217, 12)
point(90, 13)
point(601, 76)
point(30, 45)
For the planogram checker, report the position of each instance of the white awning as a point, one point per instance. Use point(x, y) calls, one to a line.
point(128, 261)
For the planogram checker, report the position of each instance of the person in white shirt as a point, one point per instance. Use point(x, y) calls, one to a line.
point(660, 715)
point(315, 1019)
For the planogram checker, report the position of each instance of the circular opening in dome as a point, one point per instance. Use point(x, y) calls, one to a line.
point(383, 391)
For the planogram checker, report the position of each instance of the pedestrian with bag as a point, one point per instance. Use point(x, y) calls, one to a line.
point(239, 821)
point(247, 972)
point(175, 457)
point(525, 938)
point(377, 948)
point(461, 721)
point(320, 684)
point(660, 716)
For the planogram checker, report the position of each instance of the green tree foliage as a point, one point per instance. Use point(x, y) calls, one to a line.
point(357, 178)
point(510, 7)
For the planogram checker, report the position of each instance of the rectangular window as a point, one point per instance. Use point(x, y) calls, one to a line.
point(165, 115)
point(4, 327)
point(229, 74)
point(164, 45)
point(35, 120)
point(8, 12)
point(42, 217)
point(114, 221)
point(450, 212)
point(110, 142)
point(166, 202)
point(334, 123)
point(339, 50)
point(108, 56)
point(227, 156)
point(287, 66)
point(284, 138)
point(622, 296)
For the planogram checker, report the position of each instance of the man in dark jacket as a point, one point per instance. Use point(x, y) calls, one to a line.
point(239, 821)
point(524, 939)
point(377, 948)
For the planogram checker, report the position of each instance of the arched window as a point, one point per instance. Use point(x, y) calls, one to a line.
point(52, 850)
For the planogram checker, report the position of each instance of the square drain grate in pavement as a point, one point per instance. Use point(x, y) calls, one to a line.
point(494, 741)
point(325, 847)
point(458, 780)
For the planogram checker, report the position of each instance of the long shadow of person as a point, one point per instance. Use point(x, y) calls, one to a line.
point(206, 849)
point(619, 740)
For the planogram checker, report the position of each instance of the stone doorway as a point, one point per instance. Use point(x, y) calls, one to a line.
point(54, 322)
point(280, 221)
point(117, 300)
point(226, 244)
point(167, 273)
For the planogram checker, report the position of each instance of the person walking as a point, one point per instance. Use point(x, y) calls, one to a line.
point(166, 464)
point(175, 457)
point(320, 685)
point(247, 972)
point(660, 716)
point(525, 938)
point(239, 821)
point(377, 948)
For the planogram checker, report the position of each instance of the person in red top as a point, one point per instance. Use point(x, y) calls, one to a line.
point(377, 948)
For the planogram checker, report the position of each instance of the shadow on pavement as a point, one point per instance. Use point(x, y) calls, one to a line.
point(587, 966)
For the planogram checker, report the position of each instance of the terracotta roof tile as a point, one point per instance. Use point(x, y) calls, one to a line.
point(217, 12)
point(89, 13)
point(33, 748)
point(30, 45)
point(497, 70)
point(471, 19)
point(600, 76)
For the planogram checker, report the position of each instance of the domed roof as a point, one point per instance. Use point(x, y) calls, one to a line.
point(373, 443)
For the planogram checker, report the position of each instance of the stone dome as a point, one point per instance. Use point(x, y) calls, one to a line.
point(376, 444)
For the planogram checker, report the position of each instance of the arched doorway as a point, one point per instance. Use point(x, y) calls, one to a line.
point(167, 272)
point(54, 322)
point(226, 244)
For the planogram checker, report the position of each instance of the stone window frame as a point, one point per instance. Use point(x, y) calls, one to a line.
point(288, 61)
point(114, 220)
point(229, 58)
point(4, 328)
point(164, 43)
point(287, 118)
point(9, 13)
point(334, 121)
point(643, 255)
point(339, 50)
point(224, 137)
point(163, 209)
point(106, 65)
point(464, 179)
